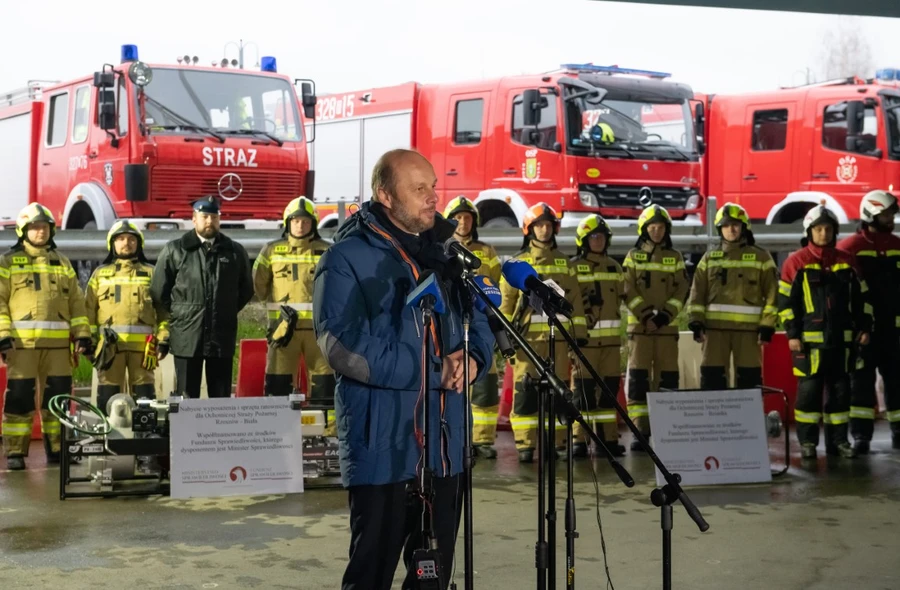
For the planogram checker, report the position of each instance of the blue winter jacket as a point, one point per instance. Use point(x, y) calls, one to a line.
point(373, 341)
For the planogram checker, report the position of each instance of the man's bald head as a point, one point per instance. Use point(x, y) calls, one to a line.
point(384, 174)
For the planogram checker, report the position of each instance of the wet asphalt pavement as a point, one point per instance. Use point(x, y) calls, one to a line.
point(832, 525)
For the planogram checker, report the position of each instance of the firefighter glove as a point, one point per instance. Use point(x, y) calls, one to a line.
point(661, 319)
point(284, 330)
point(163, 349)
point(581, 342)
point(5, 346)
point(150, 360)
point(698, 329)
point(106, 350)
point(87, 346)
point(766, 333)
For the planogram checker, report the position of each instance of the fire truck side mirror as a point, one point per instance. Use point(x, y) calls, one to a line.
point(856, 113)
point(308, 99)
point(531, 107)
point(106, 109)
point(104, 79)
point(700, 127)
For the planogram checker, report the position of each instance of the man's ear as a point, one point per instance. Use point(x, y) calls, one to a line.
point(385, 198)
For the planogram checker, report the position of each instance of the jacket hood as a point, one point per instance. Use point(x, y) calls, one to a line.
point(365, 218)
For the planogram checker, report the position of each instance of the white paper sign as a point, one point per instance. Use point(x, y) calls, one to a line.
point(236, 446)
point(710, 437)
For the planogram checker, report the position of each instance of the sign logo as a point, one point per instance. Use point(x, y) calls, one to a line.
point(531, 168)
point(237, 474)
point(711, 463)
point(107, 173)
point(230, 186)
point(592, 173)
point(645, 197)
point(847, 170)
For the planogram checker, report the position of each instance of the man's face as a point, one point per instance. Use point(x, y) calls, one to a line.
point(731, 230)
point(38, 233)
point(413, 206)
point(657, 232)
point(822, 234)
point(597, 242)
point(125, 244)
point(543, 230)
point(300, 226)
point(465, 221)
point(885, 220)
point(206, 224)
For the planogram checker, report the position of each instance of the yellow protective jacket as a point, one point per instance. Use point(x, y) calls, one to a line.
point(284, 273)
point(118, 297)
point(490, 262)
point(735, 288)
point(655, 280)
point(602, 284)
point(41, 304)
point(549, 263)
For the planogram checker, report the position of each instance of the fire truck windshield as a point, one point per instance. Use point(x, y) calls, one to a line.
point(648, 127)
point(184, 100)
point(892, 108)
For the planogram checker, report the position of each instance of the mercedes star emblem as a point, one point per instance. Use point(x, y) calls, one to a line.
point(645, 196)
point(231, 186)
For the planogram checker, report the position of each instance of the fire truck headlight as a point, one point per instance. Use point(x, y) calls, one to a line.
point(140, 74)
point(693, 202)
point(587, 198)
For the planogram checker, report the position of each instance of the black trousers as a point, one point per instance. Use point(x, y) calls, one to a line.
point(386, 519)
point(831, 377)
point(188, 375)
point(883, 353)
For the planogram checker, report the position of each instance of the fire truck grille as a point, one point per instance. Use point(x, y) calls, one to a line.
point(243, 187)
point(637, 196)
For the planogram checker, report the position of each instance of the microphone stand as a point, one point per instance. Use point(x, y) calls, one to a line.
point(546, 397)
point(560, 394)
point(468, 449)
point(662, 497)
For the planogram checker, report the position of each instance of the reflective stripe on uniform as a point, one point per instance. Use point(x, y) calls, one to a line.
point(295, 258)
point(786, 315)
point(654, 266)
point(17, 428)
point(837, 418)
point(638, 410)
point(50, 426)
point(605, 328)
point(635, 302)
point(784, 288)
point(304, 310)
point(132, 329)
point(893, 416)
point(676, 304)
point(605, 417)
point(814, 337)
point(807, 417)
point(862, 413)
point(550, 269)
point(740, 264)
point(43, 269)
point(103, 282)
point(483, 417)
point(733, 313)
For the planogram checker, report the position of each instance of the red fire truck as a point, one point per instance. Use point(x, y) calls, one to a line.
point(584, 138)
point(140, 142)
point(780, 153)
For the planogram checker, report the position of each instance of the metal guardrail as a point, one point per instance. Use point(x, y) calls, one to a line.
point(696, 239)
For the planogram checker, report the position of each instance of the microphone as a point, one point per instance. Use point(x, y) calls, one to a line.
point(493, 293)
point(428, 293)
point(523, 277)
point(454, 248)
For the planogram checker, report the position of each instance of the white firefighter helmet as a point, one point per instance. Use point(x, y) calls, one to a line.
point(818, 215)
point(875, 203)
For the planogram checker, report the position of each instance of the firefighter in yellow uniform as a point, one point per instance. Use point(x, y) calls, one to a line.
point(283, 279)
point(539, 249)
point(732, 304)
point(123, 318)
point(485, 393)
point(656, 286)
point(602, 285)
point(41, 312)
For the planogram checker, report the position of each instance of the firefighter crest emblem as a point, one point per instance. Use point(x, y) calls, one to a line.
point(108, 173)
point(847, 170)
point(531, 168)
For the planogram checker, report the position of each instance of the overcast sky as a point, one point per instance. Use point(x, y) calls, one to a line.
point(349, 44)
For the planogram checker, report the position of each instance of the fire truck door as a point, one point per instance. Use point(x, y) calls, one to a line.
point(768, 154)
point(467, 139)
point(837, 170)
point(54, 159)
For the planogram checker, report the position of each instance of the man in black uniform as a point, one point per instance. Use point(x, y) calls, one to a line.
point(202, 280)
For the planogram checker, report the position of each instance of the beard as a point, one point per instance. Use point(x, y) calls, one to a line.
point(410, 221)
point(208, 232)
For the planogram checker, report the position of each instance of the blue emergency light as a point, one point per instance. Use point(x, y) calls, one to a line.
point(129, 53)
point(591, 68)
point(888, 74)
point(268, 64)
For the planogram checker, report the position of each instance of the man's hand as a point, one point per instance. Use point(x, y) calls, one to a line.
point(765, 334)
point(650, 326)
point(6, 345)
point(863, 339)
point(795, 345)
point(452, 375)
point(85, 346)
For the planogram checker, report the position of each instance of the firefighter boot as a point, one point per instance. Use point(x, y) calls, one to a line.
point(713, 378)
point(526, 456)
point(52, 456)
point(861, 447)
point(807, 451)
point(486, 451)
point(843, 450)
point(579, 450)
point(638, 385)
point(15, 462)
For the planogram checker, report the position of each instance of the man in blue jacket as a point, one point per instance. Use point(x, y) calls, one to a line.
point(374, 341)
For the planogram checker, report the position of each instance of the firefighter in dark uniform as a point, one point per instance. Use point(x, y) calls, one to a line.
point(656, 286)
point(602, 285)
point(485, 393)
point(732, 305)
point(539, 249)
point(877, 252)
point(822, 302)
point(283, 279)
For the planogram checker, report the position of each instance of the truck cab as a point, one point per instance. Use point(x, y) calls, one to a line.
point(780, 153)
